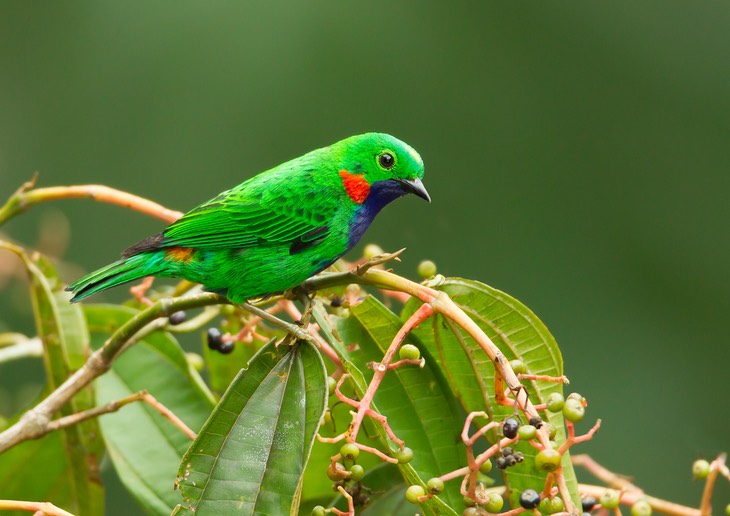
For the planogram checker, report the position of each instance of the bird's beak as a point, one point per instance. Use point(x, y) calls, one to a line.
point(415, 186)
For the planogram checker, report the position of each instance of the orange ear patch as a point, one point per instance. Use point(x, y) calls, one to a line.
point(356, 186)
point(179, 254)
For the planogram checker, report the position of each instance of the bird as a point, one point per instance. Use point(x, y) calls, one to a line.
point(278, 228)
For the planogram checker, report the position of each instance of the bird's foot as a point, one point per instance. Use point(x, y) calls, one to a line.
point(291, 328)
point(139, 292)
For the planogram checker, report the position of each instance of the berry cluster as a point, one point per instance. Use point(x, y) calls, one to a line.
point(217, 343)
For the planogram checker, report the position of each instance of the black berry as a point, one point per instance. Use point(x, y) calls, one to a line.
point(178, 317)
point(529, 499)
point(510, 428)
point(215, 338)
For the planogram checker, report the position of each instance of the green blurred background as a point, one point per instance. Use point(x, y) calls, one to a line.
point(576, 152)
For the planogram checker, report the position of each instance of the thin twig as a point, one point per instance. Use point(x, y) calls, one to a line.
point(37, 507)
point(715, 467)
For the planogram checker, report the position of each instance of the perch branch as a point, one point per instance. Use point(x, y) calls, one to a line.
point(37, 507)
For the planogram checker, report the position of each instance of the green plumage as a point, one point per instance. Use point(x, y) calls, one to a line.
point(277, 229)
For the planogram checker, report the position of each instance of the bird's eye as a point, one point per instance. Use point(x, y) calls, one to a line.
point(386, 160)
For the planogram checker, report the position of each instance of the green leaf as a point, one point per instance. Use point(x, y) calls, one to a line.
point(65, 338)
point(251, 453)
point(144, 447)
point(518, 333)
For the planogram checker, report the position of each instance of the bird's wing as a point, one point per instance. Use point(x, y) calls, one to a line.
point(244, 218)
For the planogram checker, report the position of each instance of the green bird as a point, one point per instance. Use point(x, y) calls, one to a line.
point(278, 228)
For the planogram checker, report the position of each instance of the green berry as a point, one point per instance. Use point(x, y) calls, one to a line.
point(610, 499)
point(435, 485)
point(356, 473)
point(700, 469)
point(573, 410)
point(372, 250)
point(331, 384)
point(414, 492)
point(575, 396)
point(409, 352)
point(468, 502)
point(427, 269)
point(555, 402)
point(350, 451)
point(510, 427)
point(548, 459)
point(518, 366)
point(527, 432)
point(529, 499)
point(727, 510)
point(486, 467)
point(319, 511)
point(545, 506)
point(552, 430)
point(641, 508)
point(472, 511)
point(404, 456)
point(495, 503)
point(556, 505)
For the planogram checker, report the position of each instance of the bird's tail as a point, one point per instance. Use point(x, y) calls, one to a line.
point(117, 273)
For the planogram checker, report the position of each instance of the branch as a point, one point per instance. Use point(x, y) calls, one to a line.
point(37, 507)
point(27, 195)
point(35, 423)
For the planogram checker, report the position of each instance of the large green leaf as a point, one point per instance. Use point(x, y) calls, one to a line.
point(251, 453)
point(518, 333)
point(144, 447)
point(65, 338)
point(342, 338)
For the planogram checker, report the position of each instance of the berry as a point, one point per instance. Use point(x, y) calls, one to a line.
point(727, 510)
point(338, 473)
point(536, 422)
point(518, 456)
point(336, 302)
point(548, 460)
point(495, 503)
point(553, 430)
point(435, 485)
point(610, 499)
point(507, 451)
point(319, 511)
point(356, 473)
point(555, 402)
point(529, 499)
point(700, 469)
point(641, 508)
point(372, 250)
point(518, 366)
point(350, 451)
point(331, 384)
point(214, 338)
point(426, 269)
point(178, 317)
point(502, 463)
point(573, 410)
point(545, 506)
point(469, 502)
point(510, 427)
point(575, 396)
point(409, 352)
point(404, 456)
point(414, 492)
point(588, 503)
point(527, 432)
point(472, 511)
point(226, 347)
point(486, 467)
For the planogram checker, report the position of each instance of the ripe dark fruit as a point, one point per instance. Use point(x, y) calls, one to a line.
point(529, 499)
point(214, 338)
point(226, 347)
point(177, 317)
point(501, 463)
point(536, 422)
point(510, 428)
point(588, 503)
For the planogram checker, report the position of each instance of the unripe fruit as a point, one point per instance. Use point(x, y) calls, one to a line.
point(700, 469)
point(350, 451)
point(337, 473)
point(552, 430)
point(551, 505)
point(529, 499)
point(356, 473)
point(319, 511)
point(435, 485)
point(331, 384)
point(409, 352)
point(510, 427)
point(486, 467)
point(555, 402)
point(518, 366)
point(527, 432)
point(610, 499)
point(576, 396)
point(404, 456)
point(573, 410)
point(641, 508)
point(495, 503)
point(548, 460)
point(372, 250)
point(426, 269)
point(414, 492)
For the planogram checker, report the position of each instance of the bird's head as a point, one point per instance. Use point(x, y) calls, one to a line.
point(381, 168)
